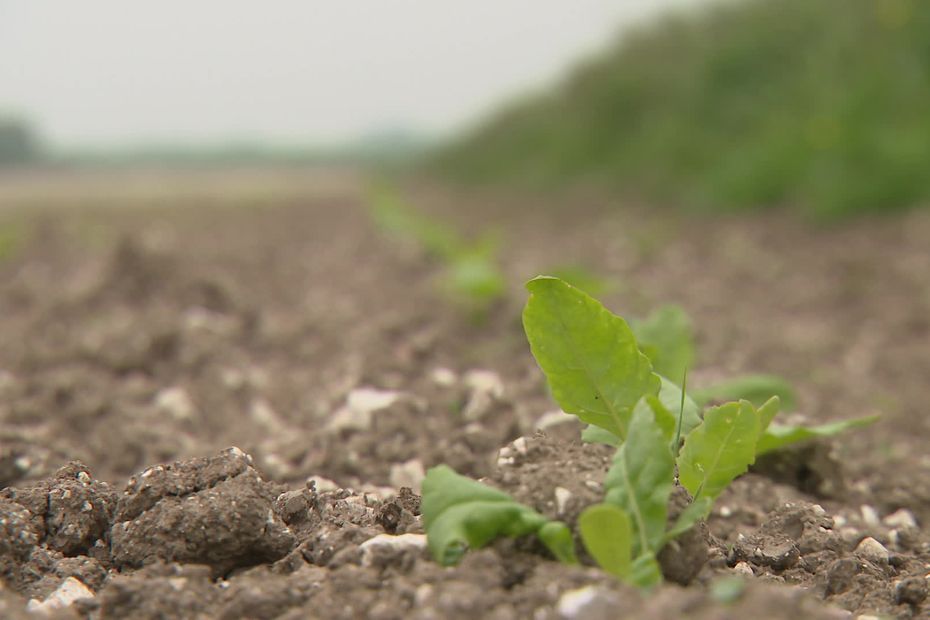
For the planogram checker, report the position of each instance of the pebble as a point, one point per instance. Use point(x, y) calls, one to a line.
point(506, 455)
point(553, 419)
point(262, 412)
point(572, 604)
point(361, 403)
point(485, 388)
point(743, 568)
point(870, 515)
point(562, 497)
point(176, 402)
point(391, 544)
point(321, 484)
point(443, 377)
point(70, 590)
point(409, 474)
point(872, 550)
point(900, 518)
point(484, 381)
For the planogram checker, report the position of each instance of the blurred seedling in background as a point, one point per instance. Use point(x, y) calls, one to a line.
point(667, 337)
point(598, 371)
point(471, 275)
point(13, 236)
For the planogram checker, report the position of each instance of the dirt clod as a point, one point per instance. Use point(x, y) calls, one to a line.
point(216, 511)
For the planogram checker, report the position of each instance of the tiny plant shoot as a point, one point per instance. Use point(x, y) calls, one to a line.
point(598, 371)
point(471, 276)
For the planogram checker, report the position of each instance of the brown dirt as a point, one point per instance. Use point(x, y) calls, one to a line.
point(139, 344)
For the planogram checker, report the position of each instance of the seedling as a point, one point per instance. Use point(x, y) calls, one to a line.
point(598, 371)
point(471, 276)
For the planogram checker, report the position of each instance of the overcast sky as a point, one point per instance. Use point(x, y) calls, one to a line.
point(115, 72)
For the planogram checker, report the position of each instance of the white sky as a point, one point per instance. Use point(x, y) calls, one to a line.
point(114, 72)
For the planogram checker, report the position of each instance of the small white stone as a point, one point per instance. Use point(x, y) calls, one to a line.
point(443, 377)
point(371, 399)
point(347, 418)
point(554, 418)
point(519, 444)
point(381, 542)
point(484, 381)
point(818, 510)
point(177, 583)
point(839, 521)
point(850, 534)
point(872, 550)
point(562, 497)
point(198, 318)
point(322, 485)
point(262, 412)
point(743, 568)
point(485, 388)
point(361, 403)
point(869, 515)
point(423, 594)
point(505, 461)
point(70, 590)
point(409, 474)
point(894, 538)
point(176, 402)
point(83, 477)
point(900, 519)
point(572, 604)
point(725, 511)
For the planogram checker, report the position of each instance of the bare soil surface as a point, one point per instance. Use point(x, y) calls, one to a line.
point(211, 410)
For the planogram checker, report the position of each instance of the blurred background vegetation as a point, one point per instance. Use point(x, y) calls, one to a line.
point(820, 105)
point(19, 144)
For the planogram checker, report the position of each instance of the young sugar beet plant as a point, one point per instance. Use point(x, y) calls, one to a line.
point(597, 371)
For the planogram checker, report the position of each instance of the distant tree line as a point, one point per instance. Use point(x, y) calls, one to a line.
point(19, 144)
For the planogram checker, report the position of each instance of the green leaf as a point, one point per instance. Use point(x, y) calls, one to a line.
point(778, 436)
point(667, 340)
point(460, 513)
point(670, 395)
point(665, 419)
point(608, 536)
point(640, 481)
point(589, 355)
point(767, 413)
point(645, 571)
point(757, 389)
point(719, 450)
point(558, 539)
point(596, 434)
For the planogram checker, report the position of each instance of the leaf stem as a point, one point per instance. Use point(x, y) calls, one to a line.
point(681, 409)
